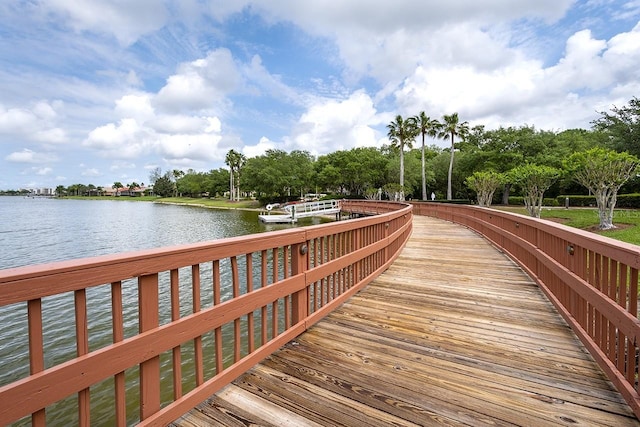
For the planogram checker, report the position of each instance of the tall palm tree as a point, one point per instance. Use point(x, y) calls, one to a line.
point(235, 161)
point(402, 132)
point(451, 127)
point(426, 126)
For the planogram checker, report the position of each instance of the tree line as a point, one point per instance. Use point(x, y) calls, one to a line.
point(478, 164)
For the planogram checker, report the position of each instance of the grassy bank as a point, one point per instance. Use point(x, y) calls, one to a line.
point(209, 203)
point(627, 221)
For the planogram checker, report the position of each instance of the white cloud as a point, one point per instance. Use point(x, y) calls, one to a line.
point(183, 124)
point(260, 148)
point(136, 106)
point(113, 138)
point(124, 20)
point(117, 165)
point(16, 120)
point(196, 148)
point(523, 91)
point(200, 84)
point(91, 172)
point(43, 171)
point(384, 39)
point(36, 122)
point(337, 124)
point(25, 156)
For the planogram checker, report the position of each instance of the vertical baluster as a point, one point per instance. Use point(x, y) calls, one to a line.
point(218, 331)
point(263, 284)
point(336, 276)
point(319, 261)
point(307, 261)
point(117, 317)
point(274, 305)
point(287, 300)
point(175, 315)
point(82, 348)
point(613, 290)
point(324, 295)
point(250, 321)
point(148, 298)
point(36, 350)
point(197, 341)
point(633, 292)
point(633, 309)
point(237, 336)
point(622, 300)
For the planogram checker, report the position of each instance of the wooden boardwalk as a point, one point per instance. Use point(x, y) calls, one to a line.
point(454, 333)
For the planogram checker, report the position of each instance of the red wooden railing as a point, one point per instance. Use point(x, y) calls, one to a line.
point(591, 280)
point(190, 319)
point(181, 322)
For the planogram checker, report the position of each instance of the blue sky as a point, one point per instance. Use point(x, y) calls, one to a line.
point(98, 91)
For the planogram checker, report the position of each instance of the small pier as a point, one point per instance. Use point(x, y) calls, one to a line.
point(291, 213)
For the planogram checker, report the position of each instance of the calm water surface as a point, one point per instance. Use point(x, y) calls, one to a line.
point(39, 230)
point(42, 230)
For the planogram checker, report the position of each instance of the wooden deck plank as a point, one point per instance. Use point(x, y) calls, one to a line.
point(453, 333)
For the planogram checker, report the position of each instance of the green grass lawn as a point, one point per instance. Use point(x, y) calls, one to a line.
point(211, 203)
point(628, 220)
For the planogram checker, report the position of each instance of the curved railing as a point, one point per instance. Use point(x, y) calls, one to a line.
point(156, 332)
point(591, 280)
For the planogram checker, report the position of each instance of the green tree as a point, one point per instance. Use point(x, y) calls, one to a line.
point(176, 174)
point(603, 172)
point(217, 182)
point(622, 126)
point(60, 191)
point(533, 181)
point(132, 187)
point(485, 183)
point(352, 171)
point(192, 183)
point(431, 127)
point(452, 128)
point(164, 186)
point(117, 186)
point(402, 133)
point(277, 175)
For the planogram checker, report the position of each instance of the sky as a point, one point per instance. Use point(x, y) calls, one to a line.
point(99, 91)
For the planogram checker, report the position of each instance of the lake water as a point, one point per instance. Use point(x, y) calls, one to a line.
point(42, 230)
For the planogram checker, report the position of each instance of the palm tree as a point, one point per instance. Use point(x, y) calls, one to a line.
point(235, 161)
point(402, 132)
point(177, 174)
point(426, 126)
point(117, 186)
point(451, 127)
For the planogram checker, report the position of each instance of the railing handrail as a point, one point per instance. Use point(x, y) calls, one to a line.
point(592, 281)
point(280, 283)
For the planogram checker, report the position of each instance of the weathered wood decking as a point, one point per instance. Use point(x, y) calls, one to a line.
point(454, 333)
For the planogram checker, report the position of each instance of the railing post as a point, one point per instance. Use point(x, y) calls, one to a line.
point(300, 299)
point(148, 312)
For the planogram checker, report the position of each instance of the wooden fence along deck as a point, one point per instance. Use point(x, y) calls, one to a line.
point(453, 333)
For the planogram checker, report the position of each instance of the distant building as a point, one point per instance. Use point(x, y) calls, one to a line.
point(41, 191)
point(126, 191)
